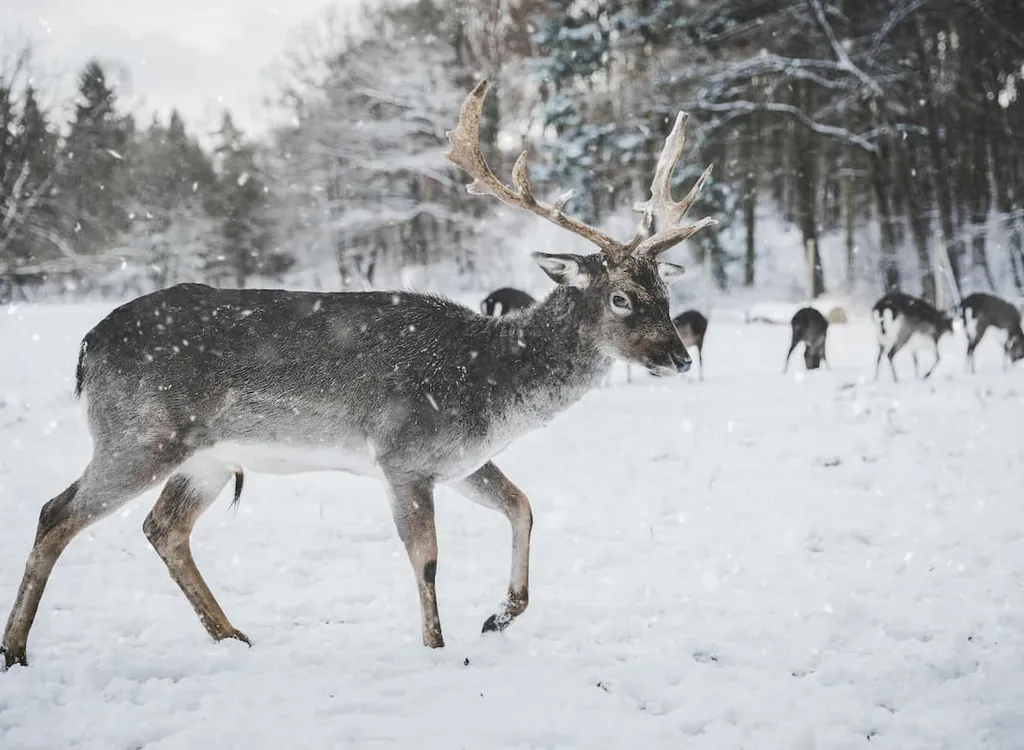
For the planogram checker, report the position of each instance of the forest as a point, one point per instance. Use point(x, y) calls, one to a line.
point(894, 126)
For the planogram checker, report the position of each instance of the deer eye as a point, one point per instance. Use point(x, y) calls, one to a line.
point(620, 303)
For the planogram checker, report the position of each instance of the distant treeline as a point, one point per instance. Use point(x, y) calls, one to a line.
point(902, 118)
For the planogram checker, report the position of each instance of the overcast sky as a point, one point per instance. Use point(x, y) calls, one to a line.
point(198, 55)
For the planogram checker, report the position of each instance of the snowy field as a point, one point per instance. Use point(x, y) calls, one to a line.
point(757, 561)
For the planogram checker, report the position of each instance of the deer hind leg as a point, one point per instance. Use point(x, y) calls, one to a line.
point(979, 329)
point(106, 485)
point(792, 346)
point(168, 527)
point(903, 336)
point(878, 362)
point(935, 364)
point(700, 360)
point(487, 486)
point(412, 505)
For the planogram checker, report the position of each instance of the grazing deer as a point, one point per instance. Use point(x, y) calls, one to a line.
point(505, 300)
point(811, 328)
point(982, 311)
point(901, 319)
point(185, 384)
point(692, 326)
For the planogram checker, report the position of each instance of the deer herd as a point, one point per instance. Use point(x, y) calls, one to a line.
point(188, 386)
point(899, 320)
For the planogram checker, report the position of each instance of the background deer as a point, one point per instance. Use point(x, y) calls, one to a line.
point(187, 384)
point(505, 300)
point(691, 326)
point(982, 311)
point(810, 327)
point(901, 319)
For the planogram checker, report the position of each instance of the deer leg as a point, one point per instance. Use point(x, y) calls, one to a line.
point(106, 485)
point(892, 353)
point(412, 505)
point(169, 527)
point(935, 363)
point(902, 338)
point(700, 359)
point(489, 487)
point(878, 362)
point(792, 346)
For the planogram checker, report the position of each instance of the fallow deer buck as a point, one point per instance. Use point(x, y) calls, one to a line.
point(982, 311)
point(189, 383)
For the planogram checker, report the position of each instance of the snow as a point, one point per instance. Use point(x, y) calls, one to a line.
point(756, 561)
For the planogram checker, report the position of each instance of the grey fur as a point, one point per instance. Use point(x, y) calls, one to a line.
point(982, 311)
point(810, 327)
point(899, 317)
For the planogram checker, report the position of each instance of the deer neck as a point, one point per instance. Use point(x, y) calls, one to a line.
point(551, 353)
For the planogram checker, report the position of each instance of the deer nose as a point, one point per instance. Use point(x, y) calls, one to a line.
point(681, 361)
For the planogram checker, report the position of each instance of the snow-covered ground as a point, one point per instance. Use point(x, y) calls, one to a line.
point(756, 561)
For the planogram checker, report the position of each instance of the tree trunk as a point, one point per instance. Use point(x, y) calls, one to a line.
point(805, 147)
point(939, 162)
point(917, 216)
point(881, 184)
point(848, 223)
point(750, 198)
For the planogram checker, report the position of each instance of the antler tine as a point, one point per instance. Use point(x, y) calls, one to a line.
point(661, 207)
point(465, 153)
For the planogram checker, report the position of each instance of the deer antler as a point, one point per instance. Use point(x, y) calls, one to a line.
point(465, 153)
point(666, 212)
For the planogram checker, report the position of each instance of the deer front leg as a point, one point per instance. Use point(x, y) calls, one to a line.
point(412, 505)
point(487, 486)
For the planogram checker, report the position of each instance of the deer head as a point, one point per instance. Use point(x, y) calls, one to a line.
point(622, 290)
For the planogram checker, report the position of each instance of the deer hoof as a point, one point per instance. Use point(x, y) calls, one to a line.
point(497, 623)
point(237, 635)
point(13, 657)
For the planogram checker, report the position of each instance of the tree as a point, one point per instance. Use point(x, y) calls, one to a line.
point(92, 180)
point(172, 180)
point(240, 204)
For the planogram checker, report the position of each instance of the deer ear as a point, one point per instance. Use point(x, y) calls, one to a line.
point(670, 272)
point(567, 270)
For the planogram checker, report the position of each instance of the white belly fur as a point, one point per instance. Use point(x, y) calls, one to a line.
point(266, 458)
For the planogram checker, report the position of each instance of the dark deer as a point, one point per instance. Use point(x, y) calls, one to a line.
point(188, 383)
point(505, 300)
point(900, 319)
point(691, 326)
point(982, 311)
point(810, 328)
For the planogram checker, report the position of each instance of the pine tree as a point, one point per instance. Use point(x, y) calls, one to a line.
point(576, 41)
point(92, 181)
point(171, 177)
point(240, 203)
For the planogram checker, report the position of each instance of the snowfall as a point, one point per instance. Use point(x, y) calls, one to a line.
point(759, 560)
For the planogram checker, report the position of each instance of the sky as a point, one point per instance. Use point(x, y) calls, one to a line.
point(198, 55)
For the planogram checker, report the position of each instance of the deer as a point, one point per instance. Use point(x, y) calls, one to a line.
point(901, 319)
point(810, 328)
point(186, 386)
point(506, 300)
point(691, 326)
point(982, 311)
